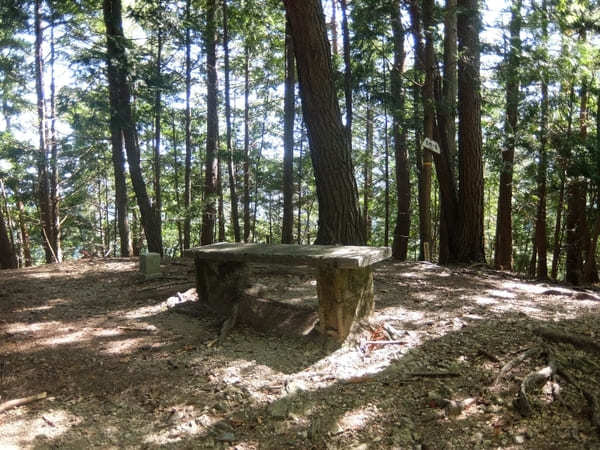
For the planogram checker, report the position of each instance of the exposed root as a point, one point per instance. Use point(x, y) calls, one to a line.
point(532, 352)
point(559, 336)
point(533, 381)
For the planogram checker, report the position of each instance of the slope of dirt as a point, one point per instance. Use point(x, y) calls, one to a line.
point(128, 363)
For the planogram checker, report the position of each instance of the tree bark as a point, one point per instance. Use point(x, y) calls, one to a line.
point(340, 221)
point(469, 134)
point(210, 181)
point(235, 220)
point(368, 170)
point(347, 70)
point(402, 228)
point(42, 162)
point(503, 250)
point(288, 140)
point(246, 165)
point(157, 124)
point(8, 256)
point(187, 195)
point(540, 223)
point(558, 227)
point(120, 105)
point(54, 187)
point(25, 242)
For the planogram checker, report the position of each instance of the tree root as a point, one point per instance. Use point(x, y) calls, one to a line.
point(535, 380)
point(577, 340)
point(532, 352)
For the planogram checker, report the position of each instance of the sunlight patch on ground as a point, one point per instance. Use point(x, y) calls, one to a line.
point(21, 327)
point(501, 293)
point(484, 301)
point(26, 431)
point(34, 308)
point(124, 346)
point(145, 311)
point(355, 419)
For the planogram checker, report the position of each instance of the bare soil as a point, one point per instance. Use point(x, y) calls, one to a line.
point(129, 363)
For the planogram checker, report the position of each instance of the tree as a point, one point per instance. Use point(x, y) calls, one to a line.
point(402, 228)
point(470, 166)
point(503, 249)
point(210, 172)
point(288, 140)
point(121, 115)
point(340, 220)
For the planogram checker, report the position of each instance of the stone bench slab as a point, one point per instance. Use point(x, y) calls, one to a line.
point(341, 257)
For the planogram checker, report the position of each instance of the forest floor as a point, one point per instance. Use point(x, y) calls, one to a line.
point(128, 363)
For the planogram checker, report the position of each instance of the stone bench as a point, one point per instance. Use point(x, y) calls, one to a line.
point(344, 277)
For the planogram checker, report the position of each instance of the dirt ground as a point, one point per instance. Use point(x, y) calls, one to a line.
point(129, 363)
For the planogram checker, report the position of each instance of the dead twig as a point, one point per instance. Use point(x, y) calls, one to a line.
point(22, 401)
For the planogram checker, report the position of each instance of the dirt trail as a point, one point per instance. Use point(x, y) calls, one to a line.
point(131, 364)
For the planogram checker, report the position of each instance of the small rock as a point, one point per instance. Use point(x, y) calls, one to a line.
point(519, 439)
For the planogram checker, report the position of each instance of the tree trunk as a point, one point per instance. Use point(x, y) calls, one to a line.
point(220, 205)
point(187, 195)
point(246, 165)
point(347, 70)
point(210, 181)
point(54, 187)
point(368, 170)
point(25, 242)
point(176, 172)
point(42, 162)
point(540, 223)
point(8, 257)
point(428, 120)
point(334, 31)
point(157, 126)
point(121, 203)
point(469, 134)
point(575, 237)
point(288, 140)
point(503, 250)
point(558, 227)
point(235, 220)
point(300, 178)
point(386, 163)
point(402, 228)
point(340, 221)
point(121, 113)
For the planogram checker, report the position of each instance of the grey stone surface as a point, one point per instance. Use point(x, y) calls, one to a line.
point(150, 264)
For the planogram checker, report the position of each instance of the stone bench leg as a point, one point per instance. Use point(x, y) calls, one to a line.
point(220, 285)
point(345, 295)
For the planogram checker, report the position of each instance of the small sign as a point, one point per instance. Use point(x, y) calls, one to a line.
point(431, 145)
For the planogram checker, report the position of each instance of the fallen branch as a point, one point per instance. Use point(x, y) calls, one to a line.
point(384, 342)
point(576, 340)
point(141, 330)
point(514, 362)
point(22, 401)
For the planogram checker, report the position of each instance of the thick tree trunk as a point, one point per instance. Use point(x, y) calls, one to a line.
point(386, 164)
point(334, 30)
point(246, 165)
point(187, 190)
point(120, 98)
point(340, 221)
point(42, 162)
point(289, 109)
point(8, 257)
point(575, 236)
point(503, 245)
point(220, 204)
point(469, 134)
point(402, 228)
point(210, 178)
point(235, 220)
